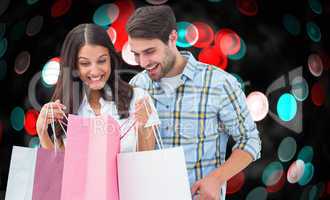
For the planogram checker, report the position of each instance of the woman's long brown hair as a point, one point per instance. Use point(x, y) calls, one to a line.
point(70, 89)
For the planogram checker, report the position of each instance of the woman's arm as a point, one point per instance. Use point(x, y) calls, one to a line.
point(146, 138)
point(45, 140)
point(47, 143)
point(147, 119)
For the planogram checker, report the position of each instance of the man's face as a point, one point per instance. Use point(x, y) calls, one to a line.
point(153, 55)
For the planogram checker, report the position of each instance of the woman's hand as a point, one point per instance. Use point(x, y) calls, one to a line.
point(142, 111)
point(145, 135)
point(46, 117)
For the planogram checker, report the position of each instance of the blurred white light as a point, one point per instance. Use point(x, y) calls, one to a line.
point(258, 106)
point(296, 171)
point(51, 71)
point(127, 55)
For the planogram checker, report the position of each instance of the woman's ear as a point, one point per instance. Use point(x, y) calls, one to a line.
point(75, 74)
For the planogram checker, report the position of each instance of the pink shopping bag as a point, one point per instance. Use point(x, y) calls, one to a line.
point(90, 166)
point(48, 175)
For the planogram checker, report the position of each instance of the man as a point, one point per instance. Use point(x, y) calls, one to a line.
point(199, 105)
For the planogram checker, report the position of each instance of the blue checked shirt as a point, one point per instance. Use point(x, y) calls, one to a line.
point(200, 116)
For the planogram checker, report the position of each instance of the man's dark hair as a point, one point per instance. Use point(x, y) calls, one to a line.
point(152, 22)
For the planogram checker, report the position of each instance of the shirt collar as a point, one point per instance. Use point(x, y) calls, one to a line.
point(191, 66)
point(85, 103)
point(189, 70)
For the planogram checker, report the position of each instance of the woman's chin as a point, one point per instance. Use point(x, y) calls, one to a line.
point(96, 86)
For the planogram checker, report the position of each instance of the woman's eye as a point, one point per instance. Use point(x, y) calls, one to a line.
point(102, 61)
point(83, 63)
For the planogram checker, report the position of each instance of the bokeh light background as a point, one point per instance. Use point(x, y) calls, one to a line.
point(277, 50)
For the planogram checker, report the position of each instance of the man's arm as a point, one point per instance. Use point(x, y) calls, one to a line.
point(237, 161)
point(209, 186)
point(238, 123)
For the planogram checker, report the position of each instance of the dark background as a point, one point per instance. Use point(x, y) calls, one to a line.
point(271, 53)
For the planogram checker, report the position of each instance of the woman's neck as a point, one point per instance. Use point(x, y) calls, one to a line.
point(93, 99)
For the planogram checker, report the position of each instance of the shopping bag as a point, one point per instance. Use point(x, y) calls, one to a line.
point(21, 173)
point(49, 167)
point(90, 167)
point(48, 175)
point(36, 173)
point(149, 175)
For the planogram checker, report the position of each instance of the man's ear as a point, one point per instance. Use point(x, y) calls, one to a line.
point(173, 37)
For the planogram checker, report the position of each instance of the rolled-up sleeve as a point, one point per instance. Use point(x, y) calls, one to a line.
point(236, 120)
point(140, 80)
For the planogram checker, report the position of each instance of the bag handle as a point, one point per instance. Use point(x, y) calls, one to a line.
point(65, 133)
point(130, 127)
point(155, 132)
point(62, 123)
point(48, 107)
point(134, 122)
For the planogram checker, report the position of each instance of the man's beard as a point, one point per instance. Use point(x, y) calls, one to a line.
point(168, 64)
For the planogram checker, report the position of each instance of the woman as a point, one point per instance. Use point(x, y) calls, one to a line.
point(88, 85)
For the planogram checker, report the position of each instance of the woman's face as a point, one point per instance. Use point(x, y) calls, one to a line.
point(94, 65)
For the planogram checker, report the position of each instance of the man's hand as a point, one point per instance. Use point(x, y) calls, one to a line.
point(208, 188)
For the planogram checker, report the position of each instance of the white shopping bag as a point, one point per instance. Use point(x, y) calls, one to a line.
point(150, 175)
point(21, 174)
point(35, 173)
